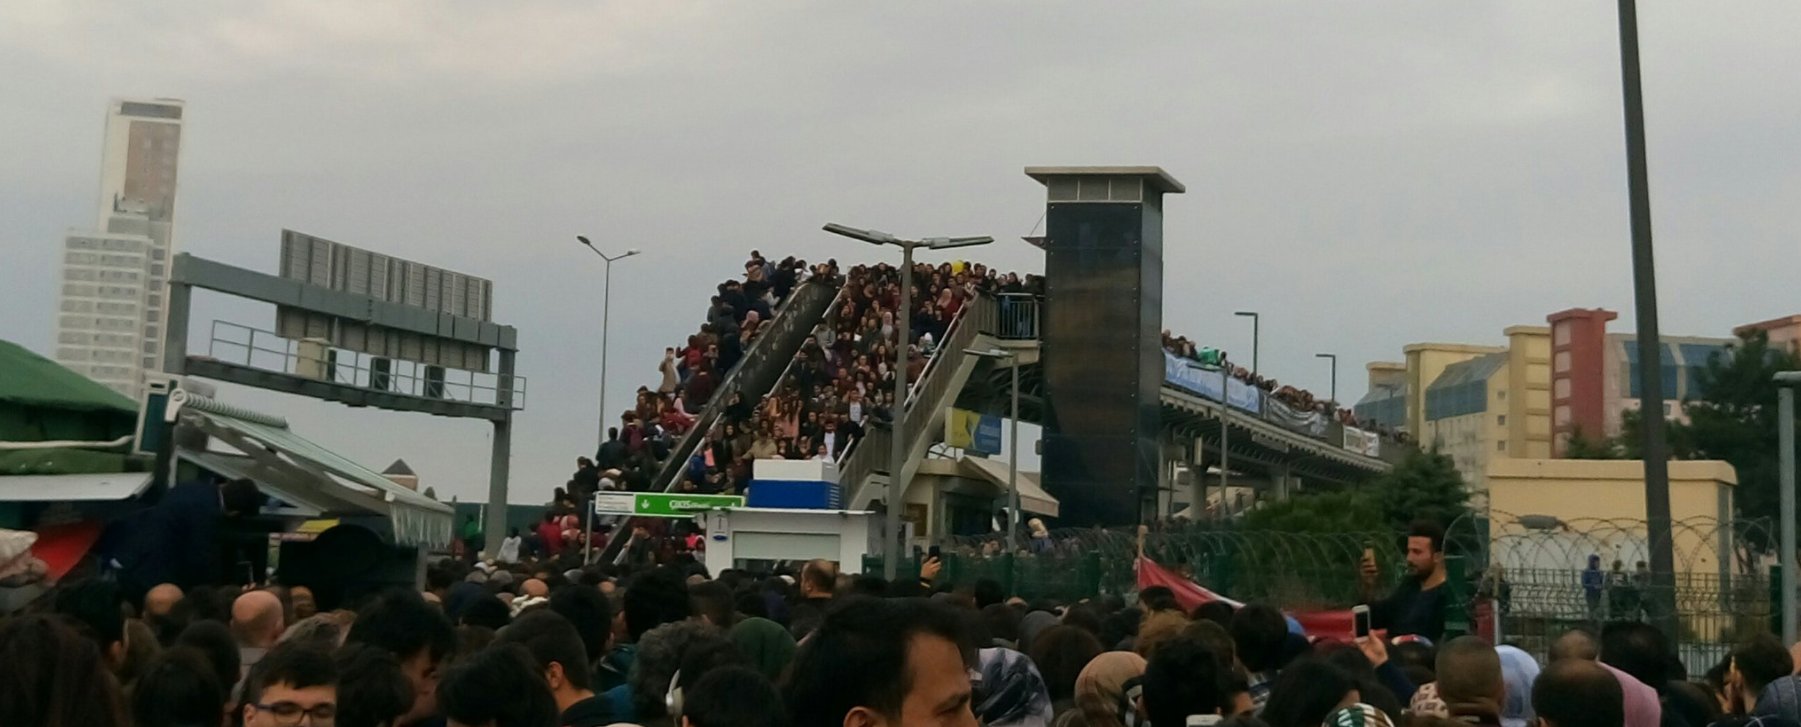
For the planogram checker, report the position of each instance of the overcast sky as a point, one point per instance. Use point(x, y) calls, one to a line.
point(1364, 174)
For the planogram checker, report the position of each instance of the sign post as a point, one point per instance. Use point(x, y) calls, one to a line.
point(660, 504)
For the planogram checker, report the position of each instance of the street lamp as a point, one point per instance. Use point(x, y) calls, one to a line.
point(605, 314)
point(1012, 448)
point(1256, 324)
point(903, 319)
point(1786, 382)
point(1334, 358)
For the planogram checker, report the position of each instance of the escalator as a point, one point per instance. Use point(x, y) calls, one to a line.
point(762, 368)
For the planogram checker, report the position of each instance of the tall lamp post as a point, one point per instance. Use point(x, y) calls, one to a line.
point(606, 313)
point(891, 545)
point(1644, 296)
point(1334, 359)
point(1785, 447)
point(1012, 448)
point(1256, 333)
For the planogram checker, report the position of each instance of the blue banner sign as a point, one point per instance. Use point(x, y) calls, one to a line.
point(1205, 383)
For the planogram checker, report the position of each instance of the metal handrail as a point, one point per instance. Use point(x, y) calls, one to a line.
point(862, 459)
point(781, 324)
point(256, 348)
point(669, 475)
point(1017, 316)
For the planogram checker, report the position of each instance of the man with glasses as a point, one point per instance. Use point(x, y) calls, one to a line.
point(293, 685)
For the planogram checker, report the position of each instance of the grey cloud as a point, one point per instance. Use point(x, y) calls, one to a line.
point(1366, 175)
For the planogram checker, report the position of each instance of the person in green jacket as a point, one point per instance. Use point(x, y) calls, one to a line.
point(472, 538)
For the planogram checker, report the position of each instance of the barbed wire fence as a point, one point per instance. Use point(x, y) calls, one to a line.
point(1523, 580)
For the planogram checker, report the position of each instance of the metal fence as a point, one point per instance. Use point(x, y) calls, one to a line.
point(1519, 580)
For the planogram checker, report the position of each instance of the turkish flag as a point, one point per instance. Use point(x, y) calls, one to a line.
point(1330, 624)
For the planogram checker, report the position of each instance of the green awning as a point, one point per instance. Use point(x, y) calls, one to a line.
point(43, 401)
point(29, 379)
point(416, 519)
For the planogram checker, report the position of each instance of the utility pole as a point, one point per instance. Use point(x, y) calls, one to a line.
point(892, 547)
point(1650, 358)
point(1785, 446)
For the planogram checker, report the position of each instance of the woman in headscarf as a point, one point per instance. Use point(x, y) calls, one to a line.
point(1518, 671)
point(1101, 688)
point(1359, 715)
point(769, 647)
point(1060, 653)
point(1011, 692)
point(748, 329)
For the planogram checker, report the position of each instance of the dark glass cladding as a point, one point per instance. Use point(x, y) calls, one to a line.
point(150, 110)
point(1103, 313)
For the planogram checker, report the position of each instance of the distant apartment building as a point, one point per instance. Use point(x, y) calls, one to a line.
point(1595, 374)
point(1784, 332)
point(1524, 400)
point(110, 313)
point(1471, 402)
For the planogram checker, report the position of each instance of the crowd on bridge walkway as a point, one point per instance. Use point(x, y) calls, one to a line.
point(664, 643)
point(840, 381)
point(1298, 399)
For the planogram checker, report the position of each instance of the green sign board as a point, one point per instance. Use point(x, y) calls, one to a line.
point(660, 504)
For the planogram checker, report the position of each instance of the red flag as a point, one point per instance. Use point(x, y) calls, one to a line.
point(1330, 624)
point(1188, 593)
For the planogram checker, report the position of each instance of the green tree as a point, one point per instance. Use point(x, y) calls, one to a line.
point(1735, 419)
point(1341, 511)
point(1581, 447)
point(1424, 486)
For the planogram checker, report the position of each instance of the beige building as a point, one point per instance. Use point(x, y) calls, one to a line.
point(1601, 507)
point(1473, 403)
point(1784, 332)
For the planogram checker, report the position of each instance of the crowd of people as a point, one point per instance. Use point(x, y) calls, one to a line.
point(1297, 399)
point(689, 375)
point(840, 381)
point(522, 645)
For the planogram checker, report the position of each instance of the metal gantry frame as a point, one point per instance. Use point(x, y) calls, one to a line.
point(188, 272)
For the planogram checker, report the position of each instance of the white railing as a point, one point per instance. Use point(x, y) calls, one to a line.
point(255, 348)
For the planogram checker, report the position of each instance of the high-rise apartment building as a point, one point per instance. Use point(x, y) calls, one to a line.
point(117, 273)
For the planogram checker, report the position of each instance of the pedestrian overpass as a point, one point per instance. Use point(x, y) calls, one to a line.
point(1267, 447)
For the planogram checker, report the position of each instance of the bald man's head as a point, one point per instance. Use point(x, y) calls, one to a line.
point(534, 588)
point(1469, 671)
point(819, 579)
point(1578, 693)
point(256, 619)
point(1577, 644)
point(161, 600)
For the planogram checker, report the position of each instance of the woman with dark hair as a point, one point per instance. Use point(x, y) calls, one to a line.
point(54, 677)
point(214, 641)
point(178, 689)
point(501, 686)
point(1307, 691)
point(1061, 652)
point(372, 690)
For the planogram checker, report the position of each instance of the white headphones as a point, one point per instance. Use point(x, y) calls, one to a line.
point(672, 700)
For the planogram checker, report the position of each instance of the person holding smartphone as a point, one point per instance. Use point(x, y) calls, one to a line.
point(1417, 605)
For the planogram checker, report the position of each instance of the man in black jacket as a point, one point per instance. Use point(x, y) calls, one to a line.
point(611, 455)
point(177, 540)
